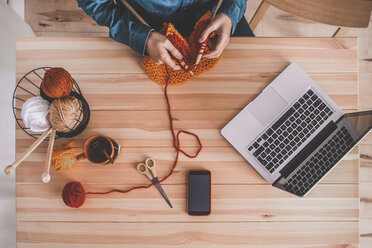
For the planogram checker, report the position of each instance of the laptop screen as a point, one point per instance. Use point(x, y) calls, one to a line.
point(300, 175)
point(362, 121)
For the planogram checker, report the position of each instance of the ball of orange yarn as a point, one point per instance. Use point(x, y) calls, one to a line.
point(57, 82)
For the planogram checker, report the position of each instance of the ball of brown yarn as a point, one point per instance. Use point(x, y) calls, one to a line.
point(64, 113)
point(57, 82)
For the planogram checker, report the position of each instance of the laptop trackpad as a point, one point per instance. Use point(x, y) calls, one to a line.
point(266, 106)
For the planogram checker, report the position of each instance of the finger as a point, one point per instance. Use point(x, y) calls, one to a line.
point(213, 55)
point(207, 31)
point(172, 50)
point(220, 46)
point(158, 62)
point(167, 60)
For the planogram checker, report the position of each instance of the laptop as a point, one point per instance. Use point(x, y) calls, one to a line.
point(293, 133)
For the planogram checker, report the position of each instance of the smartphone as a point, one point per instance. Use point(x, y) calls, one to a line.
point(199, 192)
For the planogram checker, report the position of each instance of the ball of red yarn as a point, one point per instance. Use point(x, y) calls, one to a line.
point(57, 83)
point(73, 194)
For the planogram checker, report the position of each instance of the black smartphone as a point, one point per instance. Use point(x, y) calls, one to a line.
point(199, 192)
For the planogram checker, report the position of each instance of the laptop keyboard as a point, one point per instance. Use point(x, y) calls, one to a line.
point(320, 163)
point(292, 129)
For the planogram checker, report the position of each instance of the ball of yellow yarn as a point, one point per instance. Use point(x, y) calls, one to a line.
point(63, 158)
point(65, 113)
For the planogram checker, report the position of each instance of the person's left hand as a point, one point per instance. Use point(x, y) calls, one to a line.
point(221, 25)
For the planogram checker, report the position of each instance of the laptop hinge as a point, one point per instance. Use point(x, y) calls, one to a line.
point(308, 149)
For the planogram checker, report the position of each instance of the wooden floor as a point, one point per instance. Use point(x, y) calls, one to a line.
point(64, 18)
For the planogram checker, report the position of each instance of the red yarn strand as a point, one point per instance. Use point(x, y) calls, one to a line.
point(176, 145)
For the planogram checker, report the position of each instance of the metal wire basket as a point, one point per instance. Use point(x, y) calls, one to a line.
point(29, 86)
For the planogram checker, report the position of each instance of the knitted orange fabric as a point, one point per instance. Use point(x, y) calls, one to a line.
point(189, 49)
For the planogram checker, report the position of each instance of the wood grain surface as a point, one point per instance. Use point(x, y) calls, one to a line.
point(343, 13)
point(52, 17)
point(127, 106)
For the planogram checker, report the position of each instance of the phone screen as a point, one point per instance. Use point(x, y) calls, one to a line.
point(199, 193)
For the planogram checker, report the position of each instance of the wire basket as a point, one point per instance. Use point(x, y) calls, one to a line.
point(29, 86)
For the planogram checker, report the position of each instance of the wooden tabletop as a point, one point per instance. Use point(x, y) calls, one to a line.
point(127, 106)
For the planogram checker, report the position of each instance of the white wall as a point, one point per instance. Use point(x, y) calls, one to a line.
point(11, 26)
point(18, 6)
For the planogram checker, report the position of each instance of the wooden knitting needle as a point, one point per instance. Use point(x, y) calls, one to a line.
point(204, 44)
point(10, 169)
point(134, 12)
point(45, 177)
point(186, 67)
point(141, 20)
point(217, 8)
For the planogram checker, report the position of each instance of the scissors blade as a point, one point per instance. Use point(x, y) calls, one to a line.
point(160, 188)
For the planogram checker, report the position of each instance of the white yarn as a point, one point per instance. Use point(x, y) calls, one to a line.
point(35, 113)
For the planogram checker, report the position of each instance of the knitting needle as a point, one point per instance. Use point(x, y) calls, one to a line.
point(134, 12)
point(186, 67)
point(204, 44)
point(10, 169)
point(45, 177)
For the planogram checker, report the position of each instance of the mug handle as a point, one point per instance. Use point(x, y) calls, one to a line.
point(81, 156)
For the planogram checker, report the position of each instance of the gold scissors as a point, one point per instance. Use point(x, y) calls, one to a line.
point(146, 168)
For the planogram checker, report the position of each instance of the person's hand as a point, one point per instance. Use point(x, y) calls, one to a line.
point(160, 49)
point(221, 25)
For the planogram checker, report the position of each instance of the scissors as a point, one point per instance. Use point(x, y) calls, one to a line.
point(145, 168)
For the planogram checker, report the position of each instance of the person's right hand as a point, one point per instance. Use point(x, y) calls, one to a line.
point(160, 49)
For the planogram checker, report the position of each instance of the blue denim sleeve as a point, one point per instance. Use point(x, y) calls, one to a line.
point(124, 27)
point(234, 9)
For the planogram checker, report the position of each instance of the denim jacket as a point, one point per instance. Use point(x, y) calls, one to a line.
point(126, 29)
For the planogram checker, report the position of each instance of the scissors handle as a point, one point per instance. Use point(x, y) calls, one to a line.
point(151, 165)
point(142, 168)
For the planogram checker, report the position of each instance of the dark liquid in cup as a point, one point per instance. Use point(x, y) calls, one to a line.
point(96, 148)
